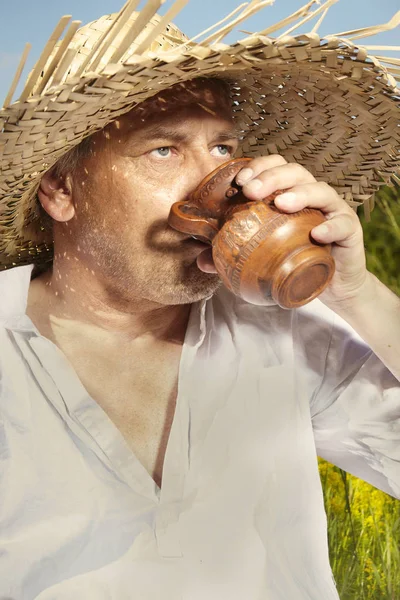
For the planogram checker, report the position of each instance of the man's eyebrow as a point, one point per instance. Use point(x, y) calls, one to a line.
point(233, 134)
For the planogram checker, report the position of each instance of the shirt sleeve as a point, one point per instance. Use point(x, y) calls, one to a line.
point(354, 403)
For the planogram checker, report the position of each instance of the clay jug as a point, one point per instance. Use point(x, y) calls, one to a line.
point(263, 255)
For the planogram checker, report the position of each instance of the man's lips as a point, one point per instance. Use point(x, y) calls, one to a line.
point(204, 260)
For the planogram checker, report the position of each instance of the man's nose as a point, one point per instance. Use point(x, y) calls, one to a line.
point(200, 168)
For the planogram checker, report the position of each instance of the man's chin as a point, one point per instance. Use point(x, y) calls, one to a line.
point(196, 284)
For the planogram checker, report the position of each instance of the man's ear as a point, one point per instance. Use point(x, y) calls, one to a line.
point(55, 195)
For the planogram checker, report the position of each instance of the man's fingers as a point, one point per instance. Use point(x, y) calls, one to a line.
point(257, 166)
point(272, 178)
point(341, 229)
point(313, 195)
point(272, 173)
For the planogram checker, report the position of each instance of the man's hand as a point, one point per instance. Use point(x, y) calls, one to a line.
point(342, 229)
point(354, 293)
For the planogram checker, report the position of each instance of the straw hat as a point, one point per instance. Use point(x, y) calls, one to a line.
point(324, 103)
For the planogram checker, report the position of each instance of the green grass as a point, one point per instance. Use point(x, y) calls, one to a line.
point(382, 238)
point(363, 522)
point(364, 536)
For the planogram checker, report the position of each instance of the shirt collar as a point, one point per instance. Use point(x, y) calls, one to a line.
point(199, 308)
point(14, 287)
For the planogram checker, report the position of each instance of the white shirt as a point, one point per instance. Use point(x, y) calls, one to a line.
point(240, 515)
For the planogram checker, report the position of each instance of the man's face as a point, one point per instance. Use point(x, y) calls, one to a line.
point(139, 166)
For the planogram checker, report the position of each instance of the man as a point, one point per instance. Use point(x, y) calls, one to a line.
point(159, 435)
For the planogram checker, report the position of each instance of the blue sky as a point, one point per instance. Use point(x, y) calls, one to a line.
point(34, 20)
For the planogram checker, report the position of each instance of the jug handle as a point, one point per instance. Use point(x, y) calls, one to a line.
point(185, 217)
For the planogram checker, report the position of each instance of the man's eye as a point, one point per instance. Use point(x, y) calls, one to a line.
point(223, 150)
point(163, 152)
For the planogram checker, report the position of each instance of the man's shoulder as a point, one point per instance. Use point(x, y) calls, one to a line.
point(311, 330)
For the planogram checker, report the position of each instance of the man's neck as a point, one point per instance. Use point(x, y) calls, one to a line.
point(58, 300)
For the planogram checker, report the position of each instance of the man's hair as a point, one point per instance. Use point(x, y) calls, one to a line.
point(69, 162)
